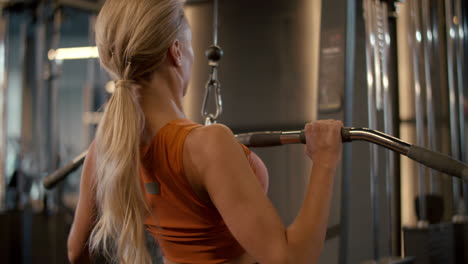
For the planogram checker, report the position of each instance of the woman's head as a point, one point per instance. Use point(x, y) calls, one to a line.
point(136, 39)
point(134, 36)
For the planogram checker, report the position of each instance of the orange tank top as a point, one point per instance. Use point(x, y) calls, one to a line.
point(187, 229)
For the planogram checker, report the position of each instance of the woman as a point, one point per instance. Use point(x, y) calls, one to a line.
point(195, 189)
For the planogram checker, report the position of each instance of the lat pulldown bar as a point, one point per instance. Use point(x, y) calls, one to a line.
point(432, 159)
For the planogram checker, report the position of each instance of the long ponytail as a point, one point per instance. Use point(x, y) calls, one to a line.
point(122, 204)
point(133, 37)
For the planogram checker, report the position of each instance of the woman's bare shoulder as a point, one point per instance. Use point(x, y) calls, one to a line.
point(209, 145)
point(210, 136)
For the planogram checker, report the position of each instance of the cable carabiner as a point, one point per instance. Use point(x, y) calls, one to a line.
point(212, 88)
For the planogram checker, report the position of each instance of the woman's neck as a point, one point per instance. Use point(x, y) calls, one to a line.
point(161, 102)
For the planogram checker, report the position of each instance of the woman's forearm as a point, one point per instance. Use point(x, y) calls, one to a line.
point(306, 234)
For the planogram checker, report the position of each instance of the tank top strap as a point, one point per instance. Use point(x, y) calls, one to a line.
point(180, 128)
point(171, 140)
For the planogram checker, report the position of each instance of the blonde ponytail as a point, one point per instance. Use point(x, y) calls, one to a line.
point(121, 201)
point(133, 37)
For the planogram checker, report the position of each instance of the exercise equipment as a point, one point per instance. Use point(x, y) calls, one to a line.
point(421, 240)
point(376, 43)
point(415, 40)
point(456, 127)
point(429, 241)
point(455, 37)
point(435, 160)
point(350, 53)
point(213, 87)
point(432, 201)
point(3, 107)
point(432, 244)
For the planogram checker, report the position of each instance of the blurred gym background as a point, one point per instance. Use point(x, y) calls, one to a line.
point(394, 66)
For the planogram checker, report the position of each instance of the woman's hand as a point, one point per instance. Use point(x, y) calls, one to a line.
point(324, 143)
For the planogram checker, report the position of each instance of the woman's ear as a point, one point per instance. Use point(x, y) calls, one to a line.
point(175, 53)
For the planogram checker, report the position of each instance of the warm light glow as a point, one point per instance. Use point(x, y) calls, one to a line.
point(385, 82)
point(429, 35)
point(370, 79)
point(73, 53)
point(418, 36)
point(372, 40)
point(388, 40)
point(452, 33)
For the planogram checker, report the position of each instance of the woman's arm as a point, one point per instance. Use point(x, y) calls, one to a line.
point(260, 170)
point(219, 163)
point(85, 214)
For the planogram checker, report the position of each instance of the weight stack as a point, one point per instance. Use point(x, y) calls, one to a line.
point(461, 242)
point(430, 245)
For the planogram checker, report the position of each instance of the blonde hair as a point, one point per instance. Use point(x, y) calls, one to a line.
point(133, 37)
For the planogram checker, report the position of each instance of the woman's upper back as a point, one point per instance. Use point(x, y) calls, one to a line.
point(186, 224)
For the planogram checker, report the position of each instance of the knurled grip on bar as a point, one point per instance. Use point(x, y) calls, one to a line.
point(271, 138)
